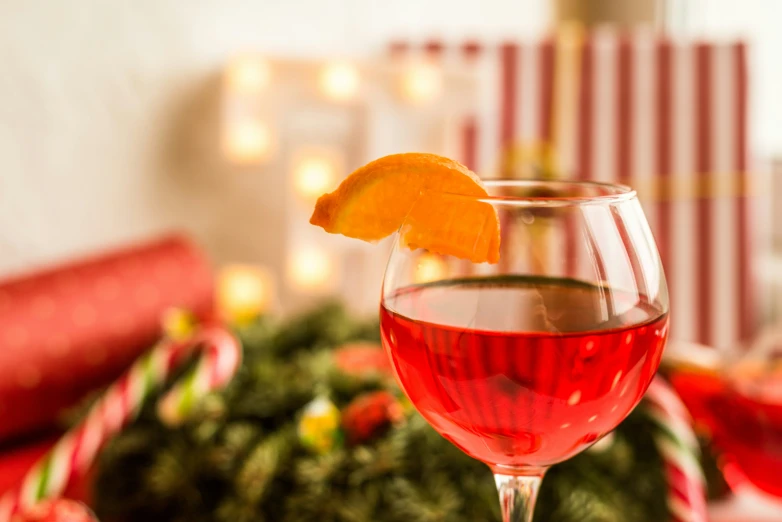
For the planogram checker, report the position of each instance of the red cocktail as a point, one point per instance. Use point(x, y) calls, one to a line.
point(516, 388)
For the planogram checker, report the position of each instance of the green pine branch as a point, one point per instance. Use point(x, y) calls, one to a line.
point(239, 458)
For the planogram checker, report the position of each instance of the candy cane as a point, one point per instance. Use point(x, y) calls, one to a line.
point(75, 452)
point(678, 446)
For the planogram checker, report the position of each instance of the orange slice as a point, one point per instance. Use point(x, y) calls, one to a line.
point(422, 192)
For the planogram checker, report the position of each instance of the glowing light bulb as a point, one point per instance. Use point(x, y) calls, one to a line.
point(340, 81)
point(244, 291)
point(422, 82)
point(430, 267)
point(314, 175)
point(248, 141)
point(310, 269)
point(247, 75)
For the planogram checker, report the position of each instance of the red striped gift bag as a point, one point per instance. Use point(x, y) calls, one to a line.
point(664, 116)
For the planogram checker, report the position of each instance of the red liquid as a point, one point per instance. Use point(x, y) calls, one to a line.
point(522, 372)
point(747, 430)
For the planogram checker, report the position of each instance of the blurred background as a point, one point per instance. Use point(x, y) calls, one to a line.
point(160, 153)
point(122, 121)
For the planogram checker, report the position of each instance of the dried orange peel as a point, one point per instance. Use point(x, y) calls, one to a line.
point(422, 192)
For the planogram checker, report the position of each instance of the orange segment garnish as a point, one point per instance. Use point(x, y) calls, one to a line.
point(417, 190)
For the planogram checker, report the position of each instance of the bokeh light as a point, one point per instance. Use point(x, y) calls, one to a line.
point(310, 268)
point(248, 141)
point(340, 81)
point(422, 82)
point(313, 175)
point(430, 267)
point(244, 291)
point(248, 75)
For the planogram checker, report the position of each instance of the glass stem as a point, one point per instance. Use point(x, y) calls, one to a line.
point(518, 494)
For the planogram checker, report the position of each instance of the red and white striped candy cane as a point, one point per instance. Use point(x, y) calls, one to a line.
point(75, 452)
point(679, 448)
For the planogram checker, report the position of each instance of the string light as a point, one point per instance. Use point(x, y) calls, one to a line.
point(422, 82)
point(340, 81)
point(247, 75)
point(244, 291)
point(430, 267)
point(310, 269)
point(314, 174)
point(248, 141)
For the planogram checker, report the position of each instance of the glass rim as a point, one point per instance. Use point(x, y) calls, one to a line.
point(612, 193)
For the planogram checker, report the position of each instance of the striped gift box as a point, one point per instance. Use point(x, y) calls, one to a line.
point(666, 117)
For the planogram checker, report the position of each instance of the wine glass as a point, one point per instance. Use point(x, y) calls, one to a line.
point(525, 363)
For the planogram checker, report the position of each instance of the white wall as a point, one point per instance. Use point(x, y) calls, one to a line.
point(108, 111)
point(108, 107)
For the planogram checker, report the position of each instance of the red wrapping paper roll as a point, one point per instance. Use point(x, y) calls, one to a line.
point(67, 331)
